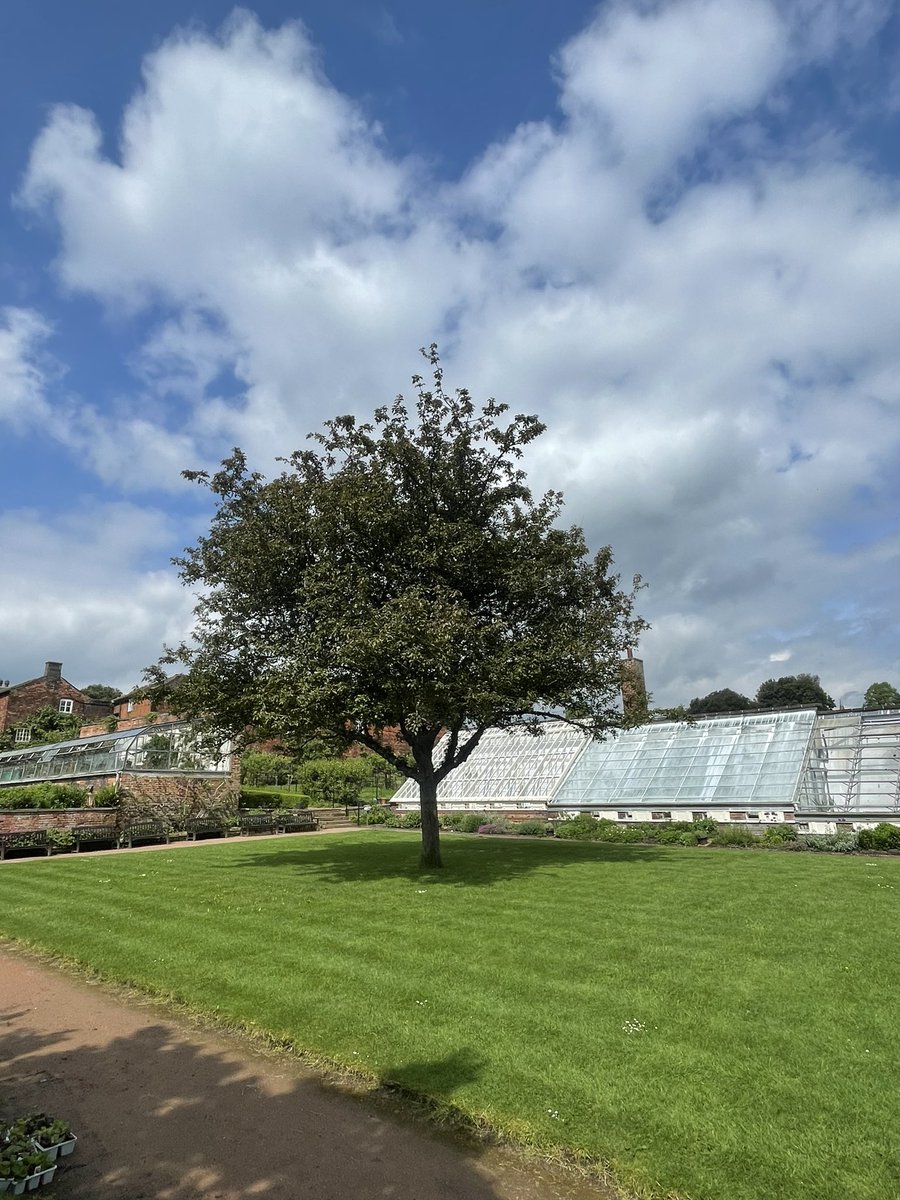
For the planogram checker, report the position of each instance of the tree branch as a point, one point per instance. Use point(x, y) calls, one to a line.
point(372, 743)
point(446, 767)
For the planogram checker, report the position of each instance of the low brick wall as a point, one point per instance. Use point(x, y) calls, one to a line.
point(27, 820)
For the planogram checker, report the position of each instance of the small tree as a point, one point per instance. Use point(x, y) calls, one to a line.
point(259, 768)
point(882, 695)
point(792, 690)
point(400, 576)
point(722, 701)
point(334, 781)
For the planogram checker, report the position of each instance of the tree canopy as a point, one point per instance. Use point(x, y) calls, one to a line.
point(400, 575)
point(792, 690)
point(882, 695)
point(725, 700)
point(101, 691)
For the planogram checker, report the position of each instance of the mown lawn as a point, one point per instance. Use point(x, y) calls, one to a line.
point(722, 1025)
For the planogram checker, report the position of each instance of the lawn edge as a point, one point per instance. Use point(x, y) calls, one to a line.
point(432, 1113)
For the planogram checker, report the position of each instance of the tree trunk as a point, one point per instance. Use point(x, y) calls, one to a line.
point(431, 830)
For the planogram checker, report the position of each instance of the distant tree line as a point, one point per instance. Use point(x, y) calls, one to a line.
point(787, 692)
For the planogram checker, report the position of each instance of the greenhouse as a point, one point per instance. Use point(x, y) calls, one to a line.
point(153, 748)
point(741, 767)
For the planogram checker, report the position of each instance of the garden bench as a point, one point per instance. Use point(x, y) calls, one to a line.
point(259, 823)
point(90, 835)
point(197, 827)
point(296, 821)
point(24, 839)
point(144, 831)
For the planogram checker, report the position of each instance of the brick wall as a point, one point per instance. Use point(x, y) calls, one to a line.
point(29, 819)
point(174, 798)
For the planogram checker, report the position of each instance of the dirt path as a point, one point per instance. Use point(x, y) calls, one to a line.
point(165, 1111)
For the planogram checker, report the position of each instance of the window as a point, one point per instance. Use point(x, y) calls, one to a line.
point(623, 816)
point(737, 816)
point(66, 706)
point(803, 826)
point(698, 816)
point(752, 816)
point(661, 816)
point(23, 735)
point(129, 707)
point(788, 816)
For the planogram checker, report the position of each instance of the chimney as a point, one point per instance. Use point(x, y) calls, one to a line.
point(53, 672)
point(634, 689)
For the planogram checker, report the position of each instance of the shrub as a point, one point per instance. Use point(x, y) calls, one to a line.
point(494, 827)
point(409, 820)
point(670, 837)
point(581, 828)
point(777, 835)
point(605, 830)
point(689, 837)
point(640, 831)
point(705, 827)
point(832, 843)
point(533, 828)
point(43, 795)
point(469, 822)
point(376, 814)
point(883, 837)
point(107, 796)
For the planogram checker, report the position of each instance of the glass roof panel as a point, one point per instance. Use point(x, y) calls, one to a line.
point(750, 755)
point(509, 764)
point(166, 747)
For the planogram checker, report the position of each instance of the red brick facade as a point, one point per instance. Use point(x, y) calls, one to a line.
point(21, 700)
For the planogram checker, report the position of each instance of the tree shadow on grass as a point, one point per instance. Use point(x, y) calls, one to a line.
point(439, 1078)
point(163, 1116)
point(468, 861)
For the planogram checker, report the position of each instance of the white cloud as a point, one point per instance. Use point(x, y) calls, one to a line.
point(651, 81)
point(93, 590)
point(23, 370)
point(714, 351)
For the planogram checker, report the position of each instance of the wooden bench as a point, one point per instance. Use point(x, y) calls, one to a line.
point(197, 827)
point(296, 821)
point(90, 835)
point(144, 831)
point(259, 823)
point(25, 839)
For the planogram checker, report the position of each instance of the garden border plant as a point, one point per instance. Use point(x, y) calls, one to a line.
point(883, 838)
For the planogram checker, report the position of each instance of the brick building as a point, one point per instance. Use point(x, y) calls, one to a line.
point(19, 701)
point(131, 711)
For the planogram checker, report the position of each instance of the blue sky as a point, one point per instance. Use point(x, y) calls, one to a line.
point(671, 229)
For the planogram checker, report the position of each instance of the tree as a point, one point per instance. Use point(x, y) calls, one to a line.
point(882, 695)
point(101, 691)
point(334, 781)
point(722, 701)
point(792, 690)
point(259, 768)
point(400, 575)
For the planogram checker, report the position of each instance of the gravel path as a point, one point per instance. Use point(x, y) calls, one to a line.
point(167, 1111)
